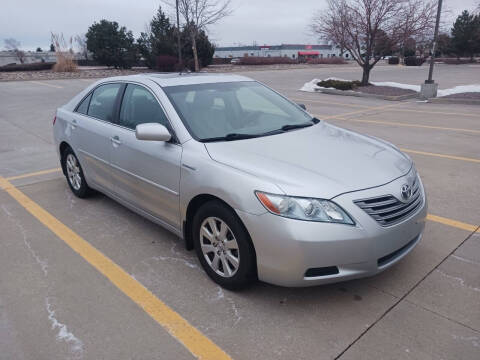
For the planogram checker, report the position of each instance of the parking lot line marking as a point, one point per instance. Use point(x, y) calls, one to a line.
point(198, 344)
point(400, 110)
point(370, 108)
point(409, 125)
point(452, 157)
point(438, 113)
point(42, 172)
point(451, 222)
point(46, 84)
point(331, 103)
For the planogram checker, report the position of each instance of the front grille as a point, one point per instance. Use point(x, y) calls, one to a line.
point(388, 210)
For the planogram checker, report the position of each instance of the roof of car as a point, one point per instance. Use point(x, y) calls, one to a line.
point(173, 79)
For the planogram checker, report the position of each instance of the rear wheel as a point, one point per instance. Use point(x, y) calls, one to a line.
point(74, 174)
point(223, 246)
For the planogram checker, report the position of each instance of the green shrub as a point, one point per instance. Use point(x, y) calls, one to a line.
point(166, 63)
point(339, 84)
point(28, 67)
point(394, 60)
point(333, 60)
point(414, 61)
point(455, 61)
point(260, 60)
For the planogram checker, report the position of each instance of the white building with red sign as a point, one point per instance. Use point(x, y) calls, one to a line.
point(293, 51)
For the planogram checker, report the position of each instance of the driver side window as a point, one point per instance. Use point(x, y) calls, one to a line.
point(139, 106)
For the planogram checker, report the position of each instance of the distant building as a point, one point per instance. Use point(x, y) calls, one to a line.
point(8, 57)
point(293, 51)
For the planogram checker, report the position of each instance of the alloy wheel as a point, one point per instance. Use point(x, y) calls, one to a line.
point(73, 171)
point(219, 247)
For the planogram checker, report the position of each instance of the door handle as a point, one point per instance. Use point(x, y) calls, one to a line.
point(115, 140)
point(74, 124)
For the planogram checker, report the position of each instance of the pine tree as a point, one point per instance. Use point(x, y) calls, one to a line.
point(466, 34)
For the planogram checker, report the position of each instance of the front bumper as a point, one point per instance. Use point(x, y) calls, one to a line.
point(287, 248)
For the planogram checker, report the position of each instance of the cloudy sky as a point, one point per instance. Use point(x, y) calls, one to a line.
point(262, 21)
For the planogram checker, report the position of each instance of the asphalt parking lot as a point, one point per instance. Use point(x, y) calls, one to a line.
point(88, 279)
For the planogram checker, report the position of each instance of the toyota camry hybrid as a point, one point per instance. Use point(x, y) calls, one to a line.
point(256, 185)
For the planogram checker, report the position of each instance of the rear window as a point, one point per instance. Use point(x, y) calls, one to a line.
point(102, 103)
point(83, 107)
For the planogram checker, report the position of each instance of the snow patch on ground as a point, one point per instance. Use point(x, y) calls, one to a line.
point(459, 89)
point(76, 345)
point(312, 86)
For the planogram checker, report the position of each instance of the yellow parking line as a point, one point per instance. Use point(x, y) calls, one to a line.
point(42, 172)
point(198, 344)
point(439, 113)
point(453, 223)
point(400, 110)
point(330, 103)
point(452, 157)
point(409, 125)
point(46, 84)
point(370, 108)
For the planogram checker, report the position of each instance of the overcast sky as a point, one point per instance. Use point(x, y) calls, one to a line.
point(262, 21)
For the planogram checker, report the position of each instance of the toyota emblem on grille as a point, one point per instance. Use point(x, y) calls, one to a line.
point(406, 191)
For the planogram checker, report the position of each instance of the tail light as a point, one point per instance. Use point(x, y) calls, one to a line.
point(54, 119)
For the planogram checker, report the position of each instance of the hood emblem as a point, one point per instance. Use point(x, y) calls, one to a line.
point(406, 192)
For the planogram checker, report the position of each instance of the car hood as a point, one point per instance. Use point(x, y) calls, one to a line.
point(319, 161)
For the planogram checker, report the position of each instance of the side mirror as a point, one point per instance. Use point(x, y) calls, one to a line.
point(302, 106)
point(152, 132)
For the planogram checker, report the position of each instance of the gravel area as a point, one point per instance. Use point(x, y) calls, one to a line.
point(81, 74)
point(466, 95)
point(384, 90)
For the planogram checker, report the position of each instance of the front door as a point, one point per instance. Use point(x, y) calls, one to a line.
point(146, 173)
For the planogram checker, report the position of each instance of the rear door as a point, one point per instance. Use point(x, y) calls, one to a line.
point(92, 128)
point(146, 173)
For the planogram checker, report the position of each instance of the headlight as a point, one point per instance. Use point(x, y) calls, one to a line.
point(304, 208)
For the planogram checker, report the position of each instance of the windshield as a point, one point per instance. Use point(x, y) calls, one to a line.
point(234, 110)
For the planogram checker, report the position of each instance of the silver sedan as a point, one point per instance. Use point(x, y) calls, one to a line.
point(256, 185)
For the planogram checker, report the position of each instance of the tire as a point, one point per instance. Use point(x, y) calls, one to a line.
point(231, 243)
point(74, 174)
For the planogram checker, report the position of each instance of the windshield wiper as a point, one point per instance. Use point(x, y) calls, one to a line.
point(230, 137)
point(240, 136)
point(295, 126)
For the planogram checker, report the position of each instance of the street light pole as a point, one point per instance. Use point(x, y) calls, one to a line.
point(434, 46)
point(178, 38)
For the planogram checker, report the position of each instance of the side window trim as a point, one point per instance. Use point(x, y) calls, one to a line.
point(115, 112)
point(147, 88)
point(83, 99)
point(118, 103)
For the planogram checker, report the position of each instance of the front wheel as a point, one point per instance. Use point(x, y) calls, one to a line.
point(223, 246)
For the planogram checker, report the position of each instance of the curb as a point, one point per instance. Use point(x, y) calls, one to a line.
point(440, 100)
point(360, 94)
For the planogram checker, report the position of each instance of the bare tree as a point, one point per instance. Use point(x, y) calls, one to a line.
point(198, 15)
point(13, 45)
point(81, 42)
point(414, 20)
point(357, 25)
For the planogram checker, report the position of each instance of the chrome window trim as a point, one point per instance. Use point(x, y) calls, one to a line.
point(126, 82)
